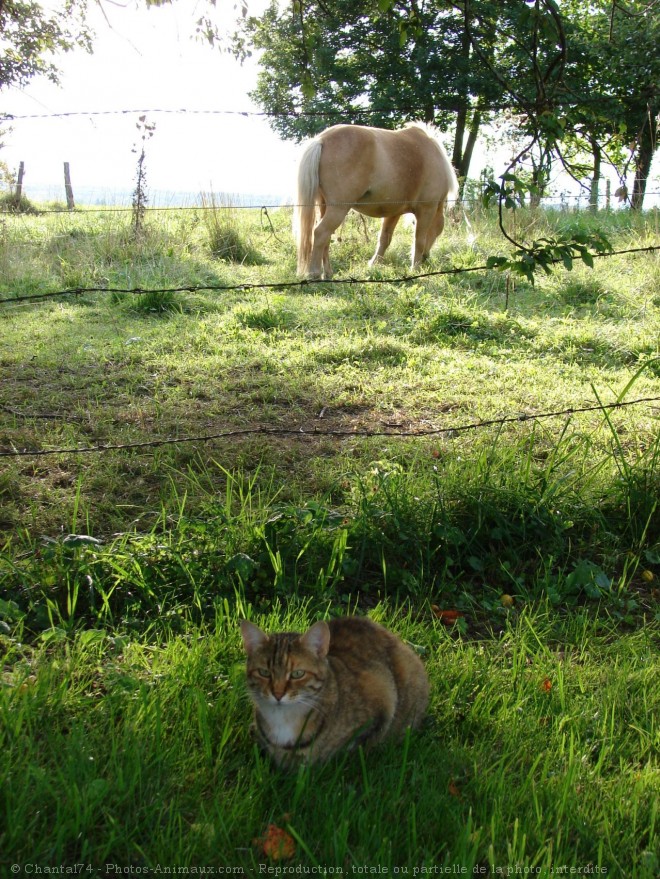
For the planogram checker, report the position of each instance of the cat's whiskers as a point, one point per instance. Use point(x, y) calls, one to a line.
point(313, 704)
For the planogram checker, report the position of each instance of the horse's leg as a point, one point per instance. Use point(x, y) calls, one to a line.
point(386, 231)
point(327, 268)
point(319, 263)
point(435, 230)
point(424, 218)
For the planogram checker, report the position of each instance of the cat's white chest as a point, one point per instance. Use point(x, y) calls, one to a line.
point(284, 722)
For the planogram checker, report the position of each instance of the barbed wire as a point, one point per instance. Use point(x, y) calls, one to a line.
point(228, 207)
point(283, 285)
point(313, 433)
point(256, 206)
point(450, 104)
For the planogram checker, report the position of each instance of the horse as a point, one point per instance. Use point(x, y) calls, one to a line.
point(379, 173)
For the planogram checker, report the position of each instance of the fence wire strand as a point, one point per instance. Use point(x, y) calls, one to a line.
point(452, 104)
point(282, 285)
point(318, 433)
point(560, 199)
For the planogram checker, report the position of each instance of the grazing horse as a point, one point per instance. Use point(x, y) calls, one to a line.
point(379, 173)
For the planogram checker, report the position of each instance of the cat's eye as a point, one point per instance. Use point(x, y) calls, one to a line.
point(297, 673)
point(264, 672)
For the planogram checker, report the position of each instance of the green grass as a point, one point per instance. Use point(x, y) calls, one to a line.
point(122, 574)
point(434, 353)
point(541, 752)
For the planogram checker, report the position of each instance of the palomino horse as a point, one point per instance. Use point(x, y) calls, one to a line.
point(379, 173)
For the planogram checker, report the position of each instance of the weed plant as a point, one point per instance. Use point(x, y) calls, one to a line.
point(15, 204)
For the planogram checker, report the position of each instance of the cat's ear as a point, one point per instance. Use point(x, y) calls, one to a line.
point(317, 639)
point(252, 636)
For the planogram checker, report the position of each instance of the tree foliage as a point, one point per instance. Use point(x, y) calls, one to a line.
point(385, 63)
point(30, 37)
point(614, 74)
point(580, 82)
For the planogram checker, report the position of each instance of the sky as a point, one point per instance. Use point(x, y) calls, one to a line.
point(146, 59)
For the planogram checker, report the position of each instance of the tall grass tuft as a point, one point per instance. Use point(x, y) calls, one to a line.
point(226, 240)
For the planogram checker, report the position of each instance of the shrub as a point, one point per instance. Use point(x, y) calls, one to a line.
point(17, 204)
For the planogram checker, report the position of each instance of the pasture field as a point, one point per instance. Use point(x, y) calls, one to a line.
point(521, 557)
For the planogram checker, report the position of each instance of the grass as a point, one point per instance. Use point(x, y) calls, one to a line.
point(541, 754)
point(125, 737)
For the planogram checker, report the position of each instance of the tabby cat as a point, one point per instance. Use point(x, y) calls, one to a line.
point(342, 683)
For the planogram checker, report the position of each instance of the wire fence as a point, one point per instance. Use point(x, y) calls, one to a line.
point(233, 204)
point(302, 432)
point(284, 285)
point(292, 432)
point(450, 104)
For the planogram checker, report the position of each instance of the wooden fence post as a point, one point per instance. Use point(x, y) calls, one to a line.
point(19, 180)
point(68, 188)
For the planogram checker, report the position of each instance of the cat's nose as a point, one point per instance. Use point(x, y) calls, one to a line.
point(279, 693)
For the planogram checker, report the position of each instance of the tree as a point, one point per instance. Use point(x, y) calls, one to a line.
point(580, 79)
point(524, 49)
point(611, 85)
point(30, 37)
point(386, 63)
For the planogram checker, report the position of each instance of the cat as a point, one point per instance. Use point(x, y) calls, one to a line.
point(342, 683)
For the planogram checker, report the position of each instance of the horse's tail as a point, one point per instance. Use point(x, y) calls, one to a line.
point(453, 187)
point(305, 213)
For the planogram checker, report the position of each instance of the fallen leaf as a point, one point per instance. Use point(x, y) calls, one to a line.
point(454, 790)
point(448, 617)
point(276, 843)
point(546, 685)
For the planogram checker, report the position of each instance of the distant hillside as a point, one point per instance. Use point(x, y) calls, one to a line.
point(98, 196)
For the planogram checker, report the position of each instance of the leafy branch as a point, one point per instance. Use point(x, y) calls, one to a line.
point(545, 252)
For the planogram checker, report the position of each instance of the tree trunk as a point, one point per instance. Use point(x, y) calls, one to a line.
point(643, 163)
point(457, 154)
point(595, 180)
point(464, 166)
point(540, 176)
